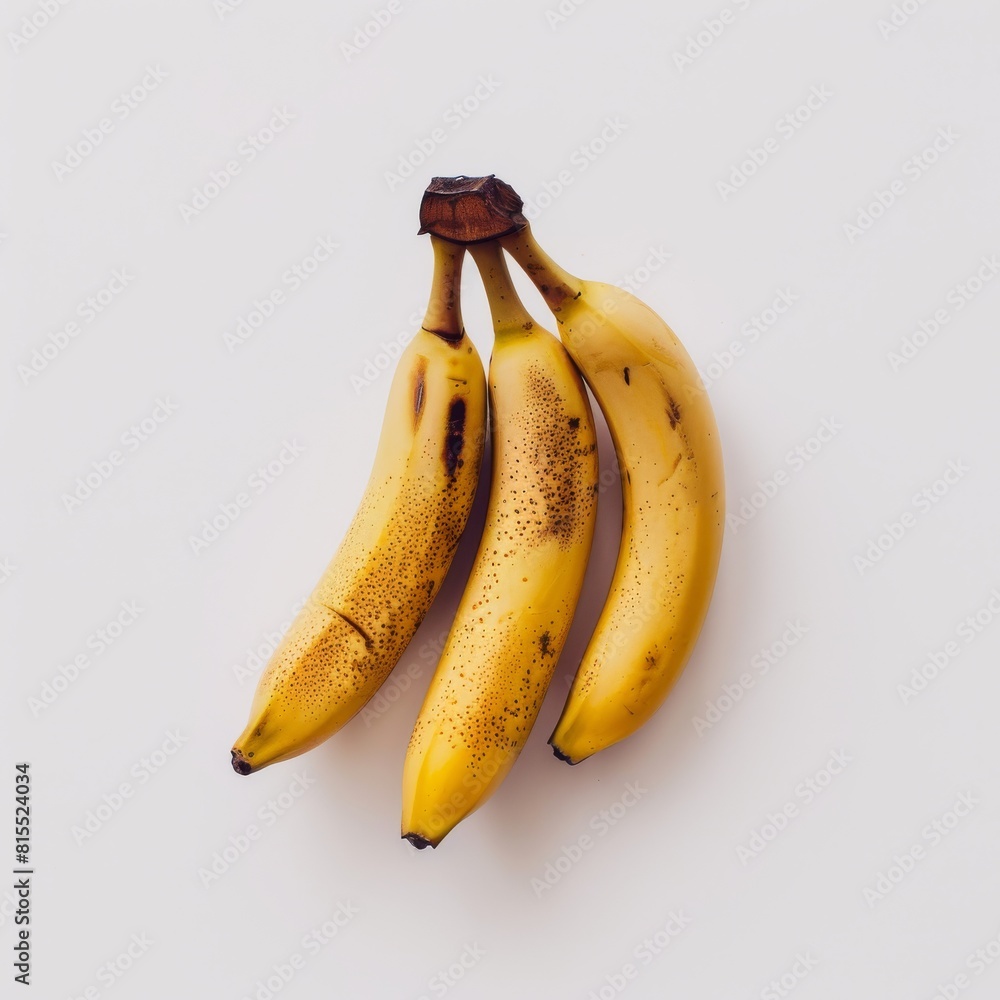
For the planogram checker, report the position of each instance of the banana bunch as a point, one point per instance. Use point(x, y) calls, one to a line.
point(519, 601)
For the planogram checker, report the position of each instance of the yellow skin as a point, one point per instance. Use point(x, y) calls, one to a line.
point(389, 567)
point(523, 588)
point(668, 450)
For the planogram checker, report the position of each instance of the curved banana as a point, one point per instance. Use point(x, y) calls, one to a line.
point(668, 450)
point(393, 559)
point(522, 591)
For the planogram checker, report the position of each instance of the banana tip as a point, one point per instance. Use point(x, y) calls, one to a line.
point(562, 756)
point(418, 842)
point(240, 764)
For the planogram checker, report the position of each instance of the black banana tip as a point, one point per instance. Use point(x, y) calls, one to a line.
point(561, 756)
point(240, 764)
point(418, 842)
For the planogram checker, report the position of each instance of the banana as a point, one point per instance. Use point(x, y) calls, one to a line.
point(523, 588)
point(397, 550)
point(668, 450)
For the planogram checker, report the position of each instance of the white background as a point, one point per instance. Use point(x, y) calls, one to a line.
point(800, 557)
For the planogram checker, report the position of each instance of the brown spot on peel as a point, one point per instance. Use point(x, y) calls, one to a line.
point(369, 643)
point(673, 412)
point(419, 376)
point(455, 438)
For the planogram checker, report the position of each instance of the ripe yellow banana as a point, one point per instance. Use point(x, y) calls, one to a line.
point(668, 450)
point(389, 567)
point(523, 588)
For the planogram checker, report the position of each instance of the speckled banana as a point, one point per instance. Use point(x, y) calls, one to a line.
point(668, 450)
point(389, 567)
point(523, 588)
